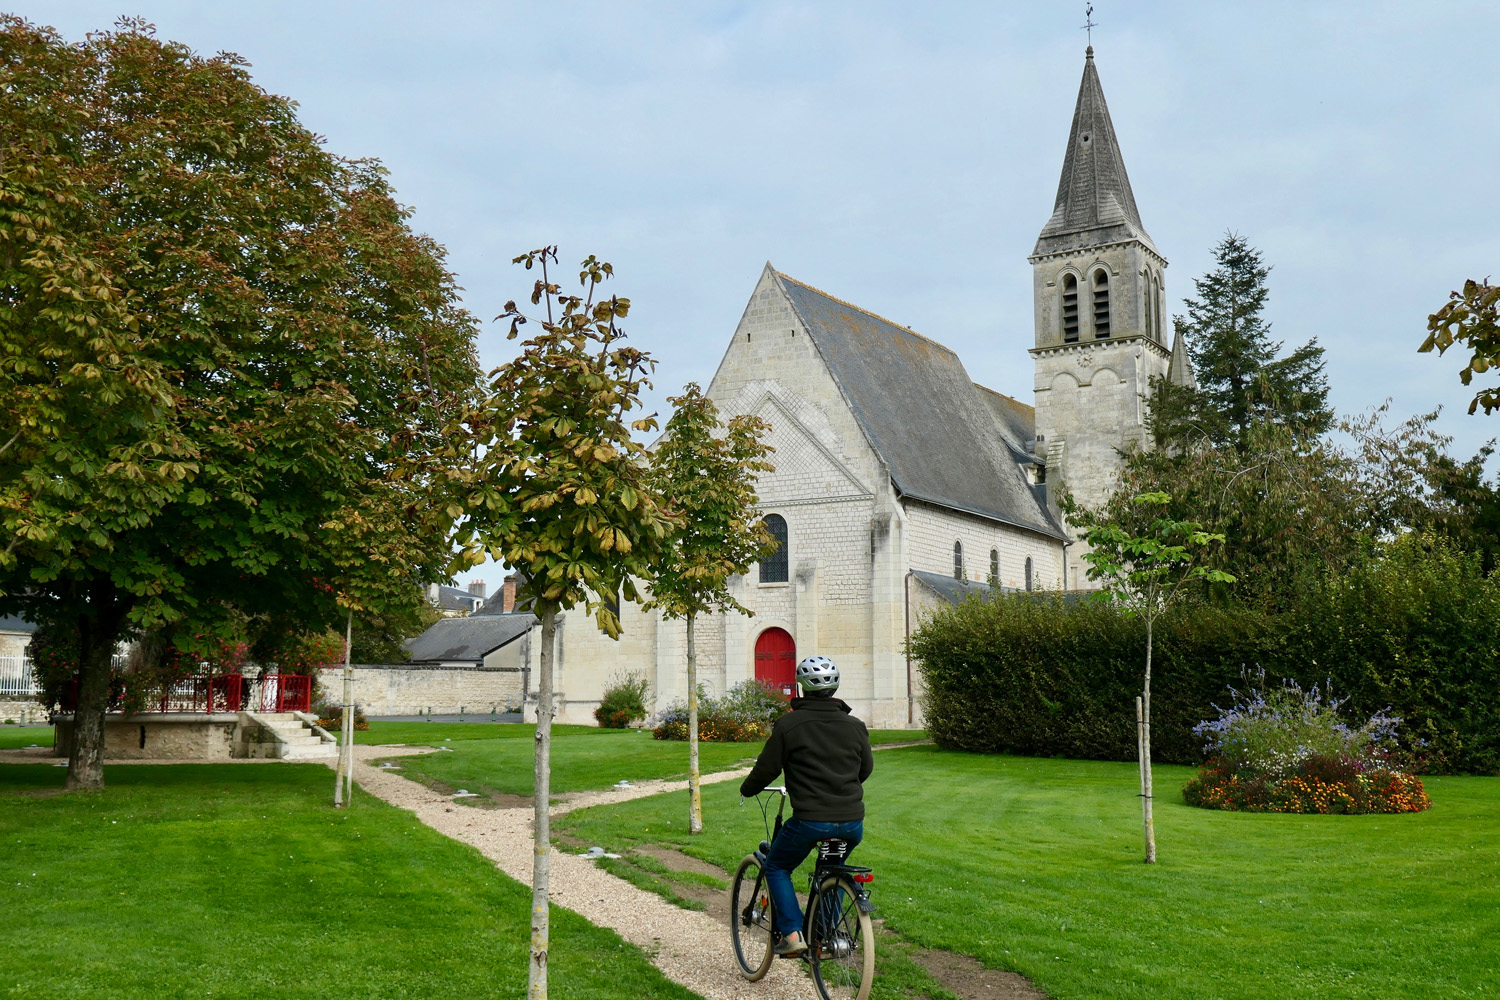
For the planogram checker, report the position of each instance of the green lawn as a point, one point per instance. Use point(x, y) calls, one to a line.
point(14, 737)
point(436, 733)
point(580, 761)
point(1034, 865)
point(242, 881)
point(497, 758)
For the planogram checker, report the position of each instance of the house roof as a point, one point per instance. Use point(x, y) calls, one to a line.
point(951, 590)
point(457, 599)
point(473, 638)
point(1095, 204)
point(936, 432)
point(15, 623)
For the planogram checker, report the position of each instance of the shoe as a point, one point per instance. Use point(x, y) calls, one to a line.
point(787, 947)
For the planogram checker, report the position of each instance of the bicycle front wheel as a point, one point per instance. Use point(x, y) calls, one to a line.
point(752, 919)
point(841, 941)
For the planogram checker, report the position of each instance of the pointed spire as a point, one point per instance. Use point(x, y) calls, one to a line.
point(1180, 369)
point(1094, 201)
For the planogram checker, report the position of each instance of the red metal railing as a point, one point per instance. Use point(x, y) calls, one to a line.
point(219, 693)
point(224, 693)
point(285, 693)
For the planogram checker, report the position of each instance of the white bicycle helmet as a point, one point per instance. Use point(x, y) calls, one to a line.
point(818, 673)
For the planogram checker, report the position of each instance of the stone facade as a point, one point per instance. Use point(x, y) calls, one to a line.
point(851, 540)
point(159, 737)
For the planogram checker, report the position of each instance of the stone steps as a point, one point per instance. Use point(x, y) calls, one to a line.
point(283, 735)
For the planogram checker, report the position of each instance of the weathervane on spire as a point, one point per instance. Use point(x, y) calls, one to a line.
point(1089, 24)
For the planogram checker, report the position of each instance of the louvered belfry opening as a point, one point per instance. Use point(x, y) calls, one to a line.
point(1070, 309)
point(1101, 304)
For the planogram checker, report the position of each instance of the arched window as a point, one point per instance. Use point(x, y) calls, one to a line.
point(1161, 305)
point(1101, 303)
point(773, 568)
point(958, 560)
point(1150, 297)
point(1028, 572)
point(1070, 309)
point(994, 567)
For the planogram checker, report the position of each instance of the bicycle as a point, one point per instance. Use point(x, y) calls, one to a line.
point(840, 938)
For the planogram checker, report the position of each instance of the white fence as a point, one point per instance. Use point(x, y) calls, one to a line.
point(16, 678)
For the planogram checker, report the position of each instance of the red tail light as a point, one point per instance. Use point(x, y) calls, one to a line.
point(864, 876)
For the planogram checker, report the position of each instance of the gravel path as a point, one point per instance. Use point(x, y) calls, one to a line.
point(689, 948)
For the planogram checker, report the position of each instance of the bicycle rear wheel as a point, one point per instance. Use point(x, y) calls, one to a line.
point(841, 941)
point(752, 919)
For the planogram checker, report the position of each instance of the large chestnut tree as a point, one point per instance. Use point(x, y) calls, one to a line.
point(226, 360)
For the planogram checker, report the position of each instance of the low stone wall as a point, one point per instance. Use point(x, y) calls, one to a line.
point(24, 710)
point(414, 688)
point(158, 736)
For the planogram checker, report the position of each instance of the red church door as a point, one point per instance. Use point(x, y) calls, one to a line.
point(776, 661)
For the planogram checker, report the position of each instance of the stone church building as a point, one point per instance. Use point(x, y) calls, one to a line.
point(899, 481)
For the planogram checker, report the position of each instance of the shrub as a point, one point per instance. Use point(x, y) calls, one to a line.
point(331, 716)
point(1049, 676)
point(754, 700)
point(624, 702)
point(1287, 750)
point(743, 715)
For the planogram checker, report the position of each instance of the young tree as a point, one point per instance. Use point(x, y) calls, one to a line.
point(1146, 573)
point(558, 489)
point(1472, 318)
point(706, 471)
point(1240, 378)
point(225, 359)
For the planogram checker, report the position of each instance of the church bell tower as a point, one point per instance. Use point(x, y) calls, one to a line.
point(1100, 312)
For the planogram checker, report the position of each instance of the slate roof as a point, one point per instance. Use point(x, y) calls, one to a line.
point(1180, 369)
point(15, 623)
point(1017, 420)
point(460, 639)
point(1094, 202)
point(935, 431)
point(951, 590)
point(457, 599)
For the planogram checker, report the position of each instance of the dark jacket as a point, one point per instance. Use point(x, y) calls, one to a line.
point(825, 753)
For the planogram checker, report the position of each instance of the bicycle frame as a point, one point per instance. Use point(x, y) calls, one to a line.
point(831, 856)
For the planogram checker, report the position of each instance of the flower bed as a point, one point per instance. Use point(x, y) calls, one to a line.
point(743, 715)
point(1287, 750)
point(1216, 786)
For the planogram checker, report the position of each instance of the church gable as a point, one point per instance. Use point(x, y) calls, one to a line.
point(771, 369)
point(807, 470)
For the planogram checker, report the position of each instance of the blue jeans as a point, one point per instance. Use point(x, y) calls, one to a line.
point(795, 841)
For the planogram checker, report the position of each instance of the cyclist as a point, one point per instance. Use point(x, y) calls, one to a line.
point(824, 751)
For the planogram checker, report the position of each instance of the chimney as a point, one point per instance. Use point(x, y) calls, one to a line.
point(476, 587)
point(508, 595)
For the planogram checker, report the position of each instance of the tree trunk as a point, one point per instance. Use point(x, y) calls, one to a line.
point(98, 631)
point(541, 826)
point(1146, 817)
point(695, 785)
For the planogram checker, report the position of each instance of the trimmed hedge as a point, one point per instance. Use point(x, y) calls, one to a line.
point(1419, 632)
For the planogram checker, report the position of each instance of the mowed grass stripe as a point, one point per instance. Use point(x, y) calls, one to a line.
point(243, 881)
point(1034, 865)
point(498, 758)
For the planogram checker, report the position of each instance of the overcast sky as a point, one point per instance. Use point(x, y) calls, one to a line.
point(904, 156)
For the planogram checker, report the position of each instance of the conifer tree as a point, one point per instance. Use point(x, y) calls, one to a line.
point(1241, 379)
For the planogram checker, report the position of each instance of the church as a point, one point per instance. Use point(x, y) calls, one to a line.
point(899, 482)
